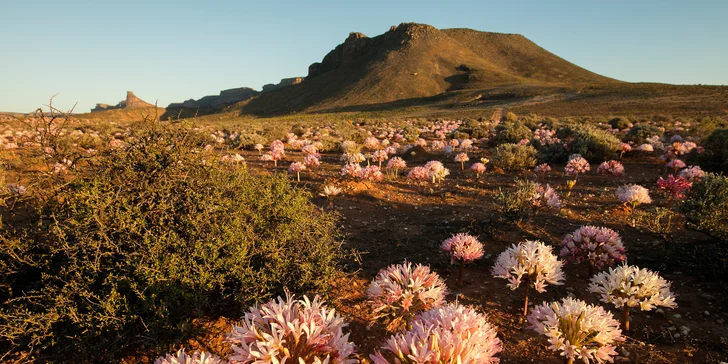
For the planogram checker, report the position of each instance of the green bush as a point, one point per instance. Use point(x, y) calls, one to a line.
point(150, 239)
point(714, 157)
point(247, 140)
point(641, 132)
point(411, 133)
point(512, 133)
point(513, 157)
point(517, 203)
point(706, 206)
point(620, 123)
point(592, 143)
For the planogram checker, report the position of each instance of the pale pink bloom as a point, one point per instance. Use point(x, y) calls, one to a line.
point(352, 158)
point(16, 189)
point(576, 165)
point(371, 174)
point(312, 160)
point(478, 168)
point(396, 163)
point(401, 291)
point(419, 173)
point(692, 174)
point(625, 148)
point(310, 149)
point(530, 262)
point(380, 156)
point(463, 248)
point(466, 143)
point(583, 332)
point(612, 167)
point(259, 147)
point(646, 148)
point(421, 142)
point(600, 246)
point(454, 143)
point(628, 285)
point(296, 167)
point(675, 164)
point(291, 331)
point(461, 157)
point(633, 194)
point(351, 170)
point(391, 150)
point(267, 157)
point(183, 358)
point(437, 171)
point(543, 168)
point(117, 144)
point(523, 142)
point(371, 143)
point(437, 145)
point(452, 334)
point(546, 196)
point(329, 191)
point(277, 147)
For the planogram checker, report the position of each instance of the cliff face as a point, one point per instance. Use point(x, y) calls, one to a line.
point(226, 97)
point(131, 102)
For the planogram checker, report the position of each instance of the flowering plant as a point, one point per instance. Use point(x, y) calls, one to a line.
point(436, 171)
point(183, 358)
point(479, 169)
point(614, 168)
point(452, 334)
point(395, 164)
point(463, 249)
point(401, 291)
point(295, 331)
point(297, 167)
point(628, 286)
point(462, 158)
point(578, 330)
point(598, 246)
point(532, 263)
point(634, 195)
point(675, 187)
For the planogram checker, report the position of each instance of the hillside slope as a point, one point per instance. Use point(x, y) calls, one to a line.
point(414, 61)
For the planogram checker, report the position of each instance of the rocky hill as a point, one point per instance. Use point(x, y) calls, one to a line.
point(413, 61)
point(131, 102)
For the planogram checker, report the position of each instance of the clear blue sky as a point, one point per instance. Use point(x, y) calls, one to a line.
point(169, 51)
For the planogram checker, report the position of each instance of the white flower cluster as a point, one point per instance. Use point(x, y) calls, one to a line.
point(531, 262)
point(578, 330)
point(183, 358)
point(630, 286)
point(291, 331)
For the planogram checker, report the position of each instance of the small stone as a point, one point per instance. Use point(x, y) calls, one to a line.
point(707, 296)
point(677, 336)
point(660, 312)
point(677, 316)
point(685, 330)
point(706, 313)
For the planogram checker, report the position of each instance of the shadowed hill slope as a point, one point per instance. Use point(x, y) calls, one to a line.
point(414, 61)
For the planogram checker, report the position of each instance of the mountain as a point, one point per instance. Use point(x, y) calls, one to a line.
point(417, 61)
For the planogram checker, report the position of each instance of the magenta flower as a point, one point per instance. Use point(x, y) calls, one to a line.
point(675, 164)
point(675, 187)
point(600, 246)
point(452, 334)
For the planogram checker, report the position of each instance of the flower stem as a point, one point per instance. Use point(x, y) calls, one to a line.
point(569, 360)
point(625, 318)
point(525, 303)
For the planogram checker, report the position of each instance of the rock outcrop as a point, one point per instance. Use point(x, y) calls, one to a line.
point(131, 102)
point(284, 83)
point(226, 97)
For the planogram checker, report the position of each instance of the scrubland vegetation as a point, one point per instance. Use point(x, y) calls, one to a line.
point(364, 238)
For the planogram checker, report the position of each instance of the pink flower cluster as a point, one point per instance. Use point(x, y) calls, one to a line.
point(600, 246)
point(371, 174)
point(461, 157)
point(576, 165)
point(312, 160)
point(675, 187)
point(396, 164)
point(452, 334)
point(692, 174)
point(462, 248)
point(351, 170)
point(295, 331)
point(546, 196)
point(436, 171)
point(296, 167)
point(380, 156)
point(675, 164)
point(612, 167)
point(542, 168)
point(400, 291)
point(419, 174)
point(577, 330)
point(478, 168)
point(183, 358)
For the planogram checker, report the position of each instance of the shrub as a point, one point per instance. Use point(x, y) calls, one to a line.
point(715, 155)
point(514, 157)
point(620, 123)
point(153, 238)
point(590, 142)
point(516, 203)
point(706, 205)
point(247, 140)
point(411, 133)
point(512, 132)
point(641, 132)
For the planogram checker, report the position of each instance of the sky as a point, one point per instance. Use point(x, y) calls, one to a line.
point(88, 52)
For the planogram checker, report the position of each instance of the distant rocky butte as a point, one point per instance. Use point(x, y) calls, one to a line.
point(131, 102)
point(232, 96)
